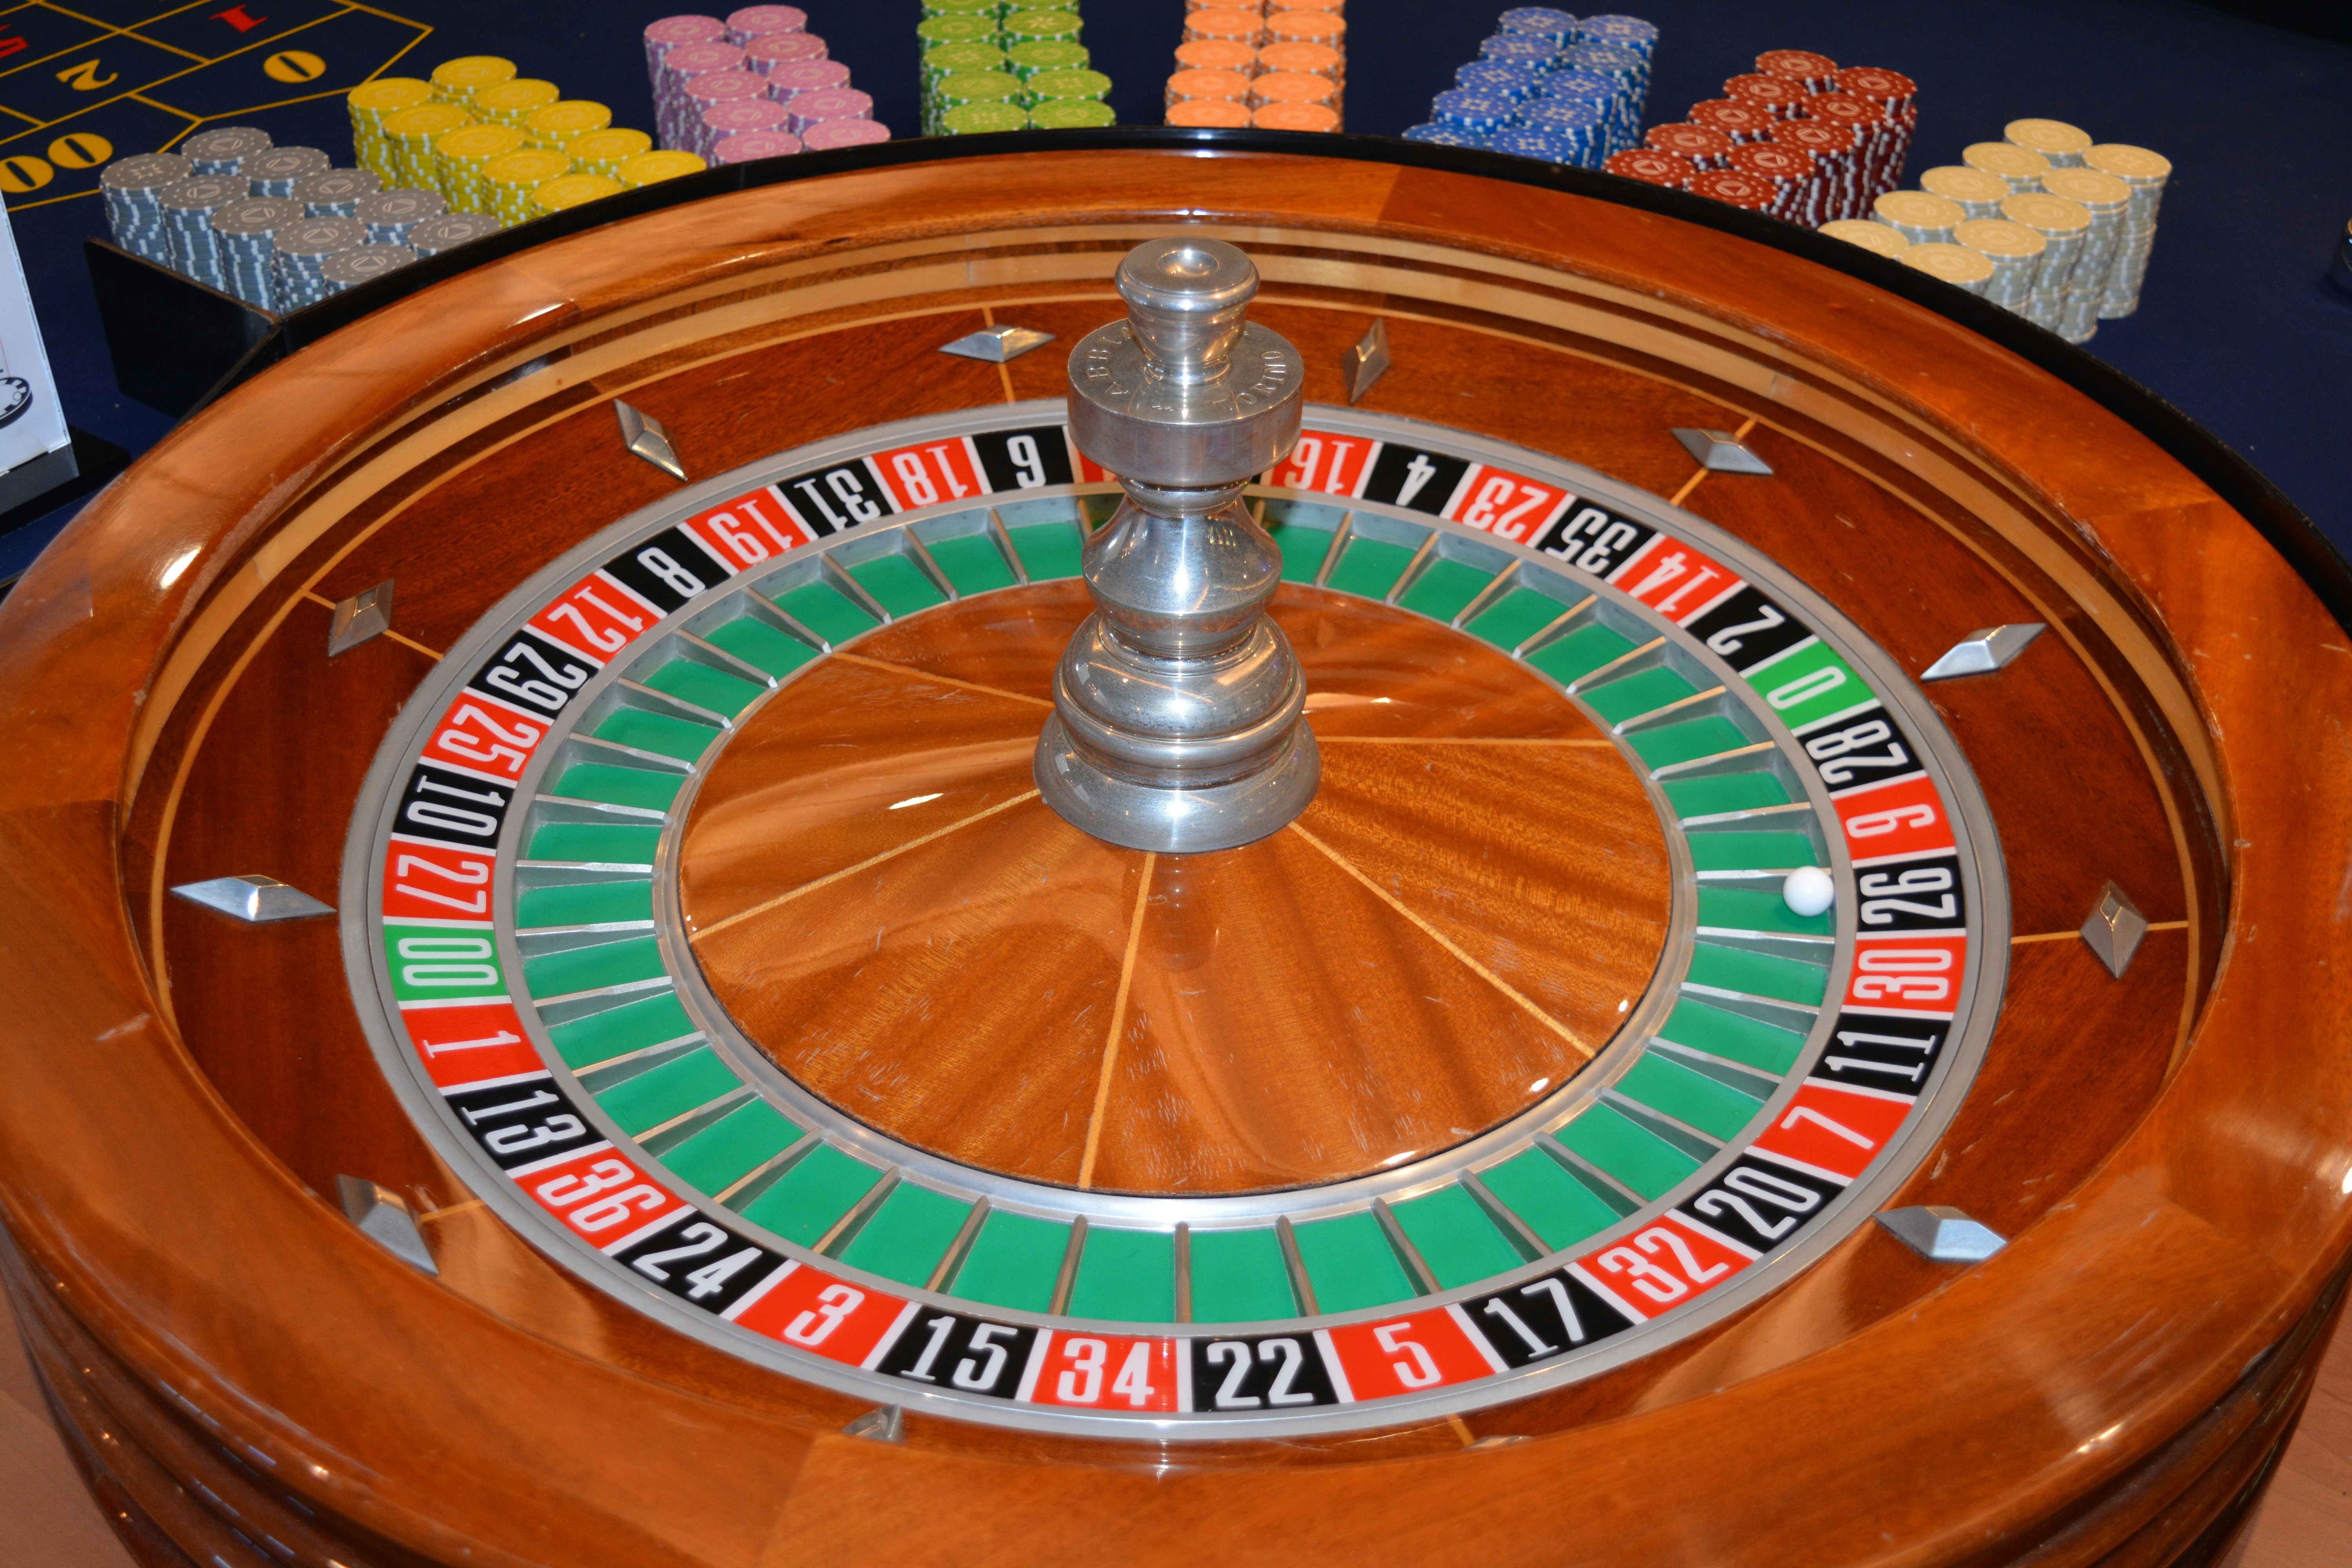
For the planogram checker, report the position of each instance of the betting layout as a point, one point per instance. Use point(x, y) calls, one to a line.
point(1743, 1121)
point(82, 85)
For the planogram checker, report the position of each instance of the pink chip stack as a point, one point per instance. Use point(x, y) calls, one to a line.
point(759, 21)
point(680, 65)
point(670, 31)
point(810, 110)
point(746, 147)
point(765, 53)
point(759, 75)
point(742, 116)
point(788, 82)
point(827, 134)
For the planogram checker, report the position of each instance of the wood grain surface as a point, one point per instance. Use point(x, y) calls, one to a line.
point(2169, 1147)
point(1453, 930)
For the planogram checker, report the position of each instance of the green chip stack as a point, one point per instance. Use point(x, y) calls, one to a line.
point(980, 119)
point(991, 66)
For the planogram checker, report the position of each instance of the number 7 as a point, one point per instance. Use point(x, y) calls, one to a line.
point(1806, 1113)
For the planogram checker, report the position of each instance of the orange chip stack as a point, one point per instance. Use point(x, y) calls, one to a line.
point(1194, 87)
point(1216, 113)
point(1295, 116)
point(1293, 87)
point(1216, 54)
point(1288, 57)
point(1231, 24)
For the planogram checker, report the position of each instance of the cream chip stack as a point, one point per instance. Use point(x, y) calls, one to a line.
point(2106, 198)
point(2062, 145)
point(2145, 172)
point(1978, 193)
point(2063, 227)
point(2014, 252)
point(1870, 236)
point(2023, 169)
point(1954, 264)
point(1917, 216)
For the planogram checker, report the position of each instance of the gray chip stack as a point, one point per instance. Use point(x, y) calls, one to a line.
point(302, 249)
point(134, 214)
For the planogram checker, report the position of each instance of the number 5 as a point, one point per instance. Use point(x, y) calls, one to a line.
point(1421, 1371)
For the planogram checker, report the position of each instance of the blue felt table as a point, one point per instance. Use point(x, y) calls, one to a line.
point(2235, 326)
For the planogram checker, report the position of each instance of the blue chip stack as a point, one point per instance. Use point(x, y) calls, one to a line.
point(1466, 108)
point(1556, 27)
point(1548, 86)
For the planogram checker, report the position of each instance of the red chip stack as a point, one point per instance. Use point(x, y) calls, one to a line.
point(1814, 73)
point(1736, 187)
point(1653, 167)
point(1809, 142)
point(1705, 147)
point(1777, 96)
point(1740, 122)
point(1896, 96)
point(1792, 172)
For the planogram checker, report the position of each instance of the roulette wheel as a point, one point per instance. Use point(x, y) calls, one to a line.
point(653, 922)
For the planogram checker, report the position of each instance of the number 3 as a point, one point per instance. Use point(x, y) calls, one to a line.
point(834, 1303)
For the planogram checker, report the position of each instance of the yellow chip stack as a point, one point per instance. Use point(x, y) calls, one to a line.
point(408, 138)
point(511, 103)
point(511, 179)
point(603, 152)
point(2063, 227)
point(2015, 252)
point(2145, 172)
point(464, 154)
point(456, 81)
point(650, 168)
point(558, 124)
point(567, 191)
point(370, 102)
point(1921, 218)
point(2106, 198)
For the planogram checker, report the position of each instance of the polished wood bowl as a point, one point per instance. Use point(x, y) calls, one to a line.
point(247, 1378)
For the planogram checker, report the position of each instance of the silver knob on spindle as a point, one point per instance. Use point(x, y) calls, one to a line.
point(1180, 713)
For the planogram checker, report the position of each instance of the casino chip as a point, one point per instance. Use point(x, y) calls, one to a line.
point(1444, 136)
point(362, 262)
point(1216, 113)
point(1316, 117)
point(433, 236)
point(1870, 236)
point(223, 152)
point(985, 118)
point(389, 215)
point(568, 191)
point(134, 216)
point(1555, 27)
point(1073, 114)
point(299, 257)
point(335, 194)
point(1653, 167)
point(187, 207)
point(652, 168)
point(245, 236)
point(1954, 264)
point(275, 170)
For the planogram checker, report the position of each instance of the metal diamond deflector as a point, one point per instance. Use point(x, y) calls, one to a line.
point(1717, 453)
point(1984, 650)
point(384, 1215)
point(2115, 929)
point(644, 436)
point(1367, 361)
point(1943, 1234)
point(997, 344)
point(257, 899)
point(366, 613)
point(886, 1424)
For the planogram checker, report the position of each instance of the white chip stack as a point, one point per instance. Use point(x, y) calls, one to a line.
point(1978, 194)
point(2145, 172)
point(1870, 236)
point(2064, 228)
point(2014, 253)
point(1917, 216)
point(1954, 264)
point(2062, 145)
point(2106, 198)
point(2019, 169)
